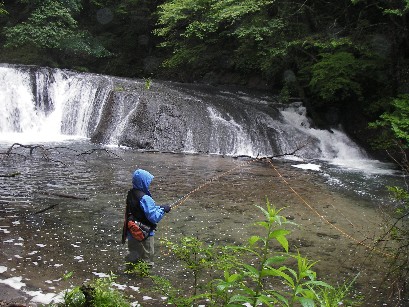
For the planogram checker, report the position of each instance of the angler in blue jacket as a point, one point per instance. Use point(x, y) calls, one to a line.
point(141, 207)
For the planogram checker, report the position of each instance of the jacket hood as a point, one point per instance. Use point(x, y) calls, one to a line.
point(141, 180)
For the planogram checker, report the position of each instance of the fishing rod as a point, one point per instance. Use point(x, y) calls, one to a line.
point(178, 200)
point(182, 199)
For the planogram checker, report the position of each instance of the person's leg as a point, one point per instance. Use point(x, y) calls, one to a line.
point(134, 251)
point(148, 250)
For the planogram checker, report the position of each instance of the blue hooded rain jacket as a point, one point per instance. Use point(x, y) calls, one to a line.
point(141, 180)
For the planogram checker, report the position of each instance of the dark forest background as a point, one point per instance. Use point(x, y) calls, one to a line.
point(348, 60)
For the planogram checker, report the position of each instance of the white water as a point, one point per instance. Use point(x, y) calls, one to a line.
point(77, 104)
point(236, 140)
point(124, 115)
point(72, 100)
point(335, 146)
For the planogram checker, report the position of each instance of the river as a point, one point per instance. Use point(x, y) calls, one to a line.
point(62, 211)
point(45, 232)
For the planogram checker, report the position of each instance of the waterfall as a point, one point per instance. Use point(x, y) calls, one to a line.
point(44, 105)
point(47, 105)
point(235, 140)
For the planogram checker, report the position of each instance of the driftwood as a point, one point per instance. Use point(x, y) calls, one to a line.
point(292, 153)
point(11, 174)
point(59, 195)
point(46, 152)
point(63, 195)
point(45, 209)
point(91, 151)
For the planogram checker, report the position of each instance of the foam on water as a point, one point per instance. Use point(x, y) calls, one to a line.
point(335, 146)
point(308, 166)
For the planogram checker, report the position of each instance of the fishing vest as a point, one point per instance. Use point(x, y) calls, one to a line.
point(134, 207)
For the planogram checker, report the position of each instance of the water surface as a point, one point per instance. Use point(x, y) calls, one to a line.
point(64, 213)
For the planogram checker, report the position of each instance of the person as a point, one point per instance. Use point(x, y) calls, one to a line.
point(140, 204)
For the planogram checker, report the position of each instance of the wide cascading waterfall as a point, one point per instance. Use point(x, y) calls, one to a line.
point(43, 104)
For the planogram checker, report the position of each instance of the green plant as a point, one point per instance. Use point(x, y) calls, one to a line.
point(334, 77)
point(2, 10)
point(397, 119)
point(52, 25)
point(257, 273)
point(148, 83)
point(98, 293)
point(196, 257)
point(140, 268)
point(252, 282)
point(337, 295)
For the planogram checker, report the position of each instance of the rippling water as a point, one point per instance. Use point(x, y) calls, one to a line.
point(45, 234)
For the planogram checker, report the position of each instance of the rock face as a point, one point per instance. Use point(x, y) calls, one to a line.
point(158, 115)
point(179, 117)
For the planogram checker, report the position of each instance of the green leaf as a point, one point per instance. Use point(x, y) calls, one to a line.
point(267, 300)
point(318, 283)
point(232, 278)
point(306, 302)
point(275, 259)
point(279, 273)
point(279, 297)
point(284, 242)
point(279, 233)
point(240, 298)
point(251, 271)
point(254, 239)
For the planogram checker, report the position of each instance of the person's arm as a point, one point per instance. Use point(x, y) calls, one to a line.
point(153, 212)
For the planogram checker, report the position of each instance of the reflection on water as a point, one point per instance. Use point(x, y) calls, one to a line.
point(64, 213)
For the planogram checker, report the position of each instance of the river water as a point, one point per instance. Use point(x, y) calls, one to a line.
point(45, 234)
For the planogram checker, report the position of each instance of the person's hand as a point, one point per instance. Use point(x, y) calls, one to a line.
point(166, 208)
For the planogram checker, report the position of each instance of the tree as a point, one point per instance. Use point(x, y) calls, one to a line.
point(51, 26)
point(207, 34)
point(2, 9)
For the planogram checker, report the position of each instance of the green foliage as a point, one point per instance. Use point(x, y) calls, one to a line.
point(140, 268)
point(397, 231)
point(394, 137)
point(258, 273)
point(338, 295)
point(2, 9)
point(335, 77)
point(97, 293)
point(47, 26)
point(51, 25)
point(148, 83)
point(197, 24)
point(397, 119)
point(68, 275)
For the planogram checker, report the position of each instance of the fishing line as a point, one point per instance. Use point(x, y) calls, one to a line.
point(325, 219)
point(183, 199)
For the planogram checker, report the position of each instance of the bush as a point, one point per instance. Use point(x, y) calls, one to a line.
point(99, 293)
